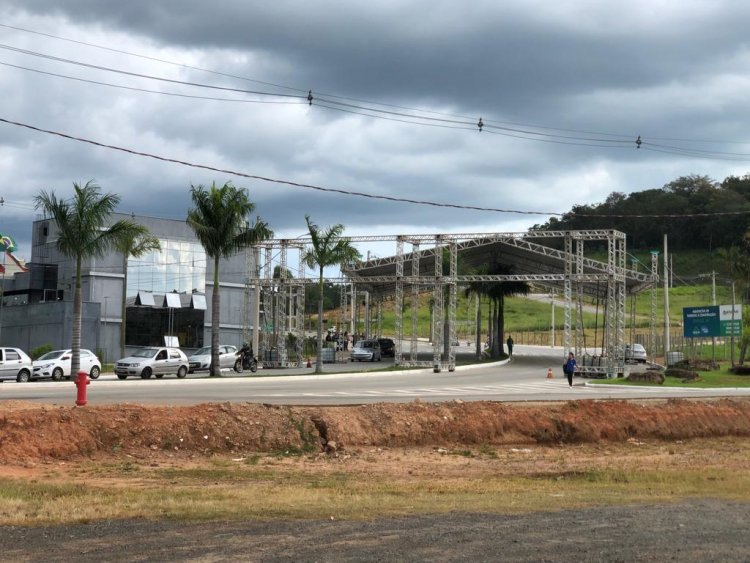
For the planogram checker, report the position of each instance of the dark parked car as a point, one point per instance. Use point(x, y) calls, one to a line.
point(387, 347)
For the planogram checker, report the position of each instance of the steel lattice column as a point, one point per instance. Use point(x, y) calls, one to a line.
point(567, 293)
point(437, 308)
point(267, 291)
point(452, 305)
point(399, 300)
point(413, 351)
point(654, 301)
point(300, 287)
point(579, 299)
point(282, 317)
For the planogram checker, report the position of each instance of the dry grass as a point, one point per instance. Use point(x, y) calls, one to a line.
point(372, 483)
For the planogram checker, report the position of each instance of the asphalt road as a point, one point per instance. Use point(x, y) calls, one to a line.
point(691, 531)
point(522, 379)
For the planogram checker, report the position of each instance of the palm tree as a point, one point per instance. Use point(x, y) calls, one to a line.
point(135, 246)
point(328, 249)
point(83, 233)
point(497, 292)
point(219, 219)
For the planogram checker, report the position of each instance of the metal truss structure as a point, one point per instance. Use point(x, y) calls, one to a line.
point(431, 266)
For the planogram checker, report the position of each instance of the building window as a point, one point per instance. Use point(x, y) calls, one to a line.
point(179, 266)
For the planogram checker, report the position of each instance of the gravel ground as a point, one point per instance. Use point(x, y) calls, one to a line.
point(698, 530)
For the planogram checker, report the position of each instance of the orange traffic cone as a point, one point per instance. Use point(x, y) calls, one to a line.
point(549, 373)
point(308, 362)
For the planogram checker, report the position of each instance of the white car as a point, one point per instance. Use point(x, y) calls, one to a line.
point(635, 353)
point(56, 365)
point(201, 359)
point(153, 361)
point(15, 364)
point(366, 350)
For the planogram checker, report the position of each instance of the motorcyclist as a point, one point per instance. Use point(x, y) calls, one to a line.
point(245, 353)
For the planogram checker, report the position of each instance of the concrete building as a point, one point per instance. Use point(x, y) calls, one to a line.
point(166, 294)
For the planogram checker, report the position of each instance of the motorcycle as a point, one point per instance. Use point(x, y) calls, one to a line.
point(246, 360)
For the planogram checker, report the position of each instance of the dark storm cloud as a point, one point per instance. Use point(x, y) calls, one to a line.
point(663, 70)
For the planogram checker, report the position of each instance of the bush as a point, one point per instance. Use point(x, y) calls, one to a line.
point(647, 377)
point(40, 351)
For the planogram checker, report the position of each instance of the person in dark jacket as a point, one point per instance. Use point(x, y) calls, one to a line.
point(570, 368)
point(509, 342)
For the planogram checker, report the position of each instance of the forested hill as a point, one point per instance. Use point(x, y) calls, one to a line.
point(681, 206)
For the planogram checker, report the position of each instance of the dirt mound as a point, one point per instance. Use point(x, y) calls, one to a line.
point(30, 432)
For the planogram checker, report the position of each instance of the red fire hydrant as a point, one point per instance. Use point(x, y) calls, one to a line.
point(81, 381)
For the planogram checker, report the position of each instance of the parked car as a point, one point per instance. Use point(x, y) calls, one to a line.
point(56, 364)
point(153, 361)
point(635, 353)
point(366, 350)
point(200, 360)
point(15, 364)
point(387, 347)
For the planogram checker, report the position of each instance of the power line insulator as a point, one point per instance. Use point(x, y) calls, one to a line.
point(480, 124)
point(309, 97)
point(638, 142)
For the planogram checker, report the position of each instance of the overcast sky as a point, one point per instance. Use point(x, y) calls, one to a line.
point(563, 89)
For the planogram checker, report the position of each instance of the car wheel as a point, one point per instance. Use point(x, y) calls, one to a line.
point(23, 376)
point(182, 372)
point(57, 374)
point(94, 374)
point(121, 376)
point(159, 375)
point(146, 373)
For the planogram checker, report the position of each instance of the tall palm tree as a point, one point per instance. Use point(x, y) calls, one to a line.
point(219, 219)
point(497, 292)
point(135, 246)
point(328, 249)
point(83, 232)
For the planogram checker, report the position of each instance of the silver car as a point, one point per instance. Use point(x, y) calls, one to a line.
point(15, 364)
point(366, 350)
point(153, 361)
point(635, 353)
point(201, 359)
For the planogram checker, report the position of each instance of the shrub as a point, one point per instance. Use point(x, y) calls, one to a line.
point(40, 351)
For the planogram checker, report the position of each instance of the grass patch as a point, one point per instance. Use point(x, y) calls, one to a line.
point(716, 379)
point(197, 496)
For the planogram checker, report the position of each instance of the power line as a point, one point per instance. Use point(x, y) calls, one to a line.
point(277, 181)
point(351, 192)
point(148, 76)
point(619, 138)
point(134, 89)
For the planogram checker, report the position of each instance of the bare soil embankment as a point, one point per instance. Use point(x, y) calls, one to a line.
point(31, 432)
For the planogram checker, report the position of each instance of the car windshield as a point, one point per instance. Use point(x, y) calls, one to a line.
point(205, 351)
point(145, 353)
point(52, 355)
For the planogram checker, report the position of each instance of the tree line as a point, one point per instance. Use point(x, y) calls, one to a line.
point(696, 212)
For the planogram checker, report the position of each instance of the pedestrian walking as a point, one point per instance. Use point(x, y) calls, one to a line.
point(509, 342)
point(569, 367)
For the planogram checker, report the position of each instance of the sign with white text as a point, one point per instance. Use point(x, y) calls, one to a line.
point(714, 320)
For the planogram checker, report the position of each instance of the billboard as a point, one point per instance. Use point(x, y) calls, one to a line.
point(715, 320)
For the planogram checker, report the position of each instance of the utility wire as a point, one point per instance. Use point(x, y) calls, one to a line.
point(132, 88)
point(148, 76)
point(355, 193)
point(376, 112)
point(274, 180)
